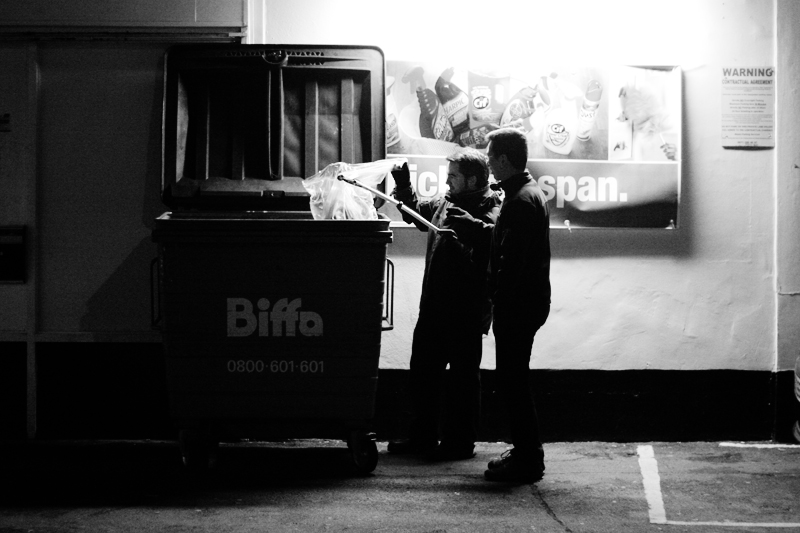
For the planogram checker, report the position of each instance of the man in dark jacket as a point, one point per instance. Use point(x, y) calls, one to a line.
point(454, 310)
point(519, 285)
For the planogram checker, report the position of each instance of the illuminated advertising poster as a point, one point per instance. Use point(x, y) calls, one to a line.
point(603, 143)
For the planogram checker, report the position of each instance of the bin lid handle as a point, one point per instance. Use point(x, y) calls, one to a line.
point(276, 57)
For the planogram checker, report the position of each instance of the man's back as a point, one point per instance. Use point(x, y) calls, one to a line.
point(520, 269)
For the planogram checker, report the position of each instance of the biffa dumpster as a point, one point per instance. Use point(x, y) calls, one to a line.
point(271, 320)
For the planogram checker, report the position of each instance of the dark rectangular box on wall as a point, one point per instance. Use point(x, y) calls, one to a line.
point(12, 254)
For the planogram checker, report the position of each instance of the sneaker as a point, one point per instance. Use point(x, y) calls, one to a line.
point(452, 452)
point(411, 447)
point(511, 468)
point(506, 457)
point(499, 461)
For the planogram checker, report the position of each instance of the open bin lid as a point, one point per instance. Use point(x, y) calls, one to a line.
point(243, 125)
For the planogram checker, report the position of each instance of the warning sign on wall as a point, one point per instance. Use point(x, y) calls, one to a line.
point(748, 107)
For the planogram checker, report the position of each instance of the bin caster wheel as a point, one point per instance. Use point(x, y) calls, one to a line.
point(198, 450)
point(363, 451)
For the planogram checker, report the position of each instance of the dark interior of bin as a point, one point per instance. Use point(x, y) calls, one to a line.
point(242, 132)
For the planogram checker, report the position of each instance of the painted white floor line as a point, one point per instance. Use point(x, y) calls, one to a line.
point(756, 445)
point(652, 484)
point(787, 525)
point(655, 502)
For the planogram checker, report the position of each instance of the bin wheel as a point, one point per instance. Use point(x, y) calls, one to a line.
point(198, 450)
point(363, 451)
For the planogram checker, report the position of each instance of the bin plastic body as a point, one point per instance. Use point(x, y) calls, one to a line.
point(272, 325)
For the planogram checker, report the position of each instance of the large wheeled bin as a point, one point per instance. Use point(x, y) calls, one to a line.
point(271, 320)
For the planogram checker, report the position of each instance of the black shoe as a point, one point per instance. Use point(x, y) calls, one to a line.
point(411, 447)
point(506, 457)
point(499, 461)
point(452, 452)
point(509, 467)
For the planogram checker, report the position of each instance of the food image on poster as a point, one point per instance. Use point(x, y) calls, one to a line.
point(576, 120)
point(646, 113)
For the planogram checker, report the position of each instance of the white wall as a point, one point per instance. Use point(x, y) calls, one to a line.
point(788, 192)
point(702, 297)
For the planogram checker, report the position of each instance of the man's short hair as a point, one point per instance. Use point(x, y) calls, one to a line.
point(511, 142)
point(471, 162)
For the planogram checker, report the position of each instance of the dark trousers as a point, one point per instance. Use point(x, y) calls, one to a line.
point(437, 344)
point(514, 330)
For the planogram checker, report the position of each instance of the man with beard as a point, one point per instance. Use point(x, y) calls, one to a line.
point(454, 311)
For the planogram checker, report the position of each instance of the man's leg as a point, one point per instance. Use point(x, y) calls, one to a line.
point(463, 398)
point(514, 343)
point(427, 372)
point(513, 384)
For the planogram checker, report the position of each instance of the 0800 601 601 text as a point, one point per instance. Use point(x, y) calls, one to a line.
point(258, 366)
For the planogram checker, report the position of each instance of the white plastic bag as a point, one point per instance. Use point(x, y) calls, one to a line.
point(332, 199)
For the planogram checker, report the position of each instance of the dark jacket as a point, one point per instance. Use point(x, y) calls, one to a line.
point(519, 280)
point(454, 286)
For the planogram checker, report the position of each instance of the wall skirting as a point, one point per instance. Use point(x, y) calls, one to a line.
point(629, 405)
point(118, 390)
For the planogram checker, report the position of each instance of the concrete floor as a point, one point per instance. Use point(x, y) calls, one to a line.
point(309, 485)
